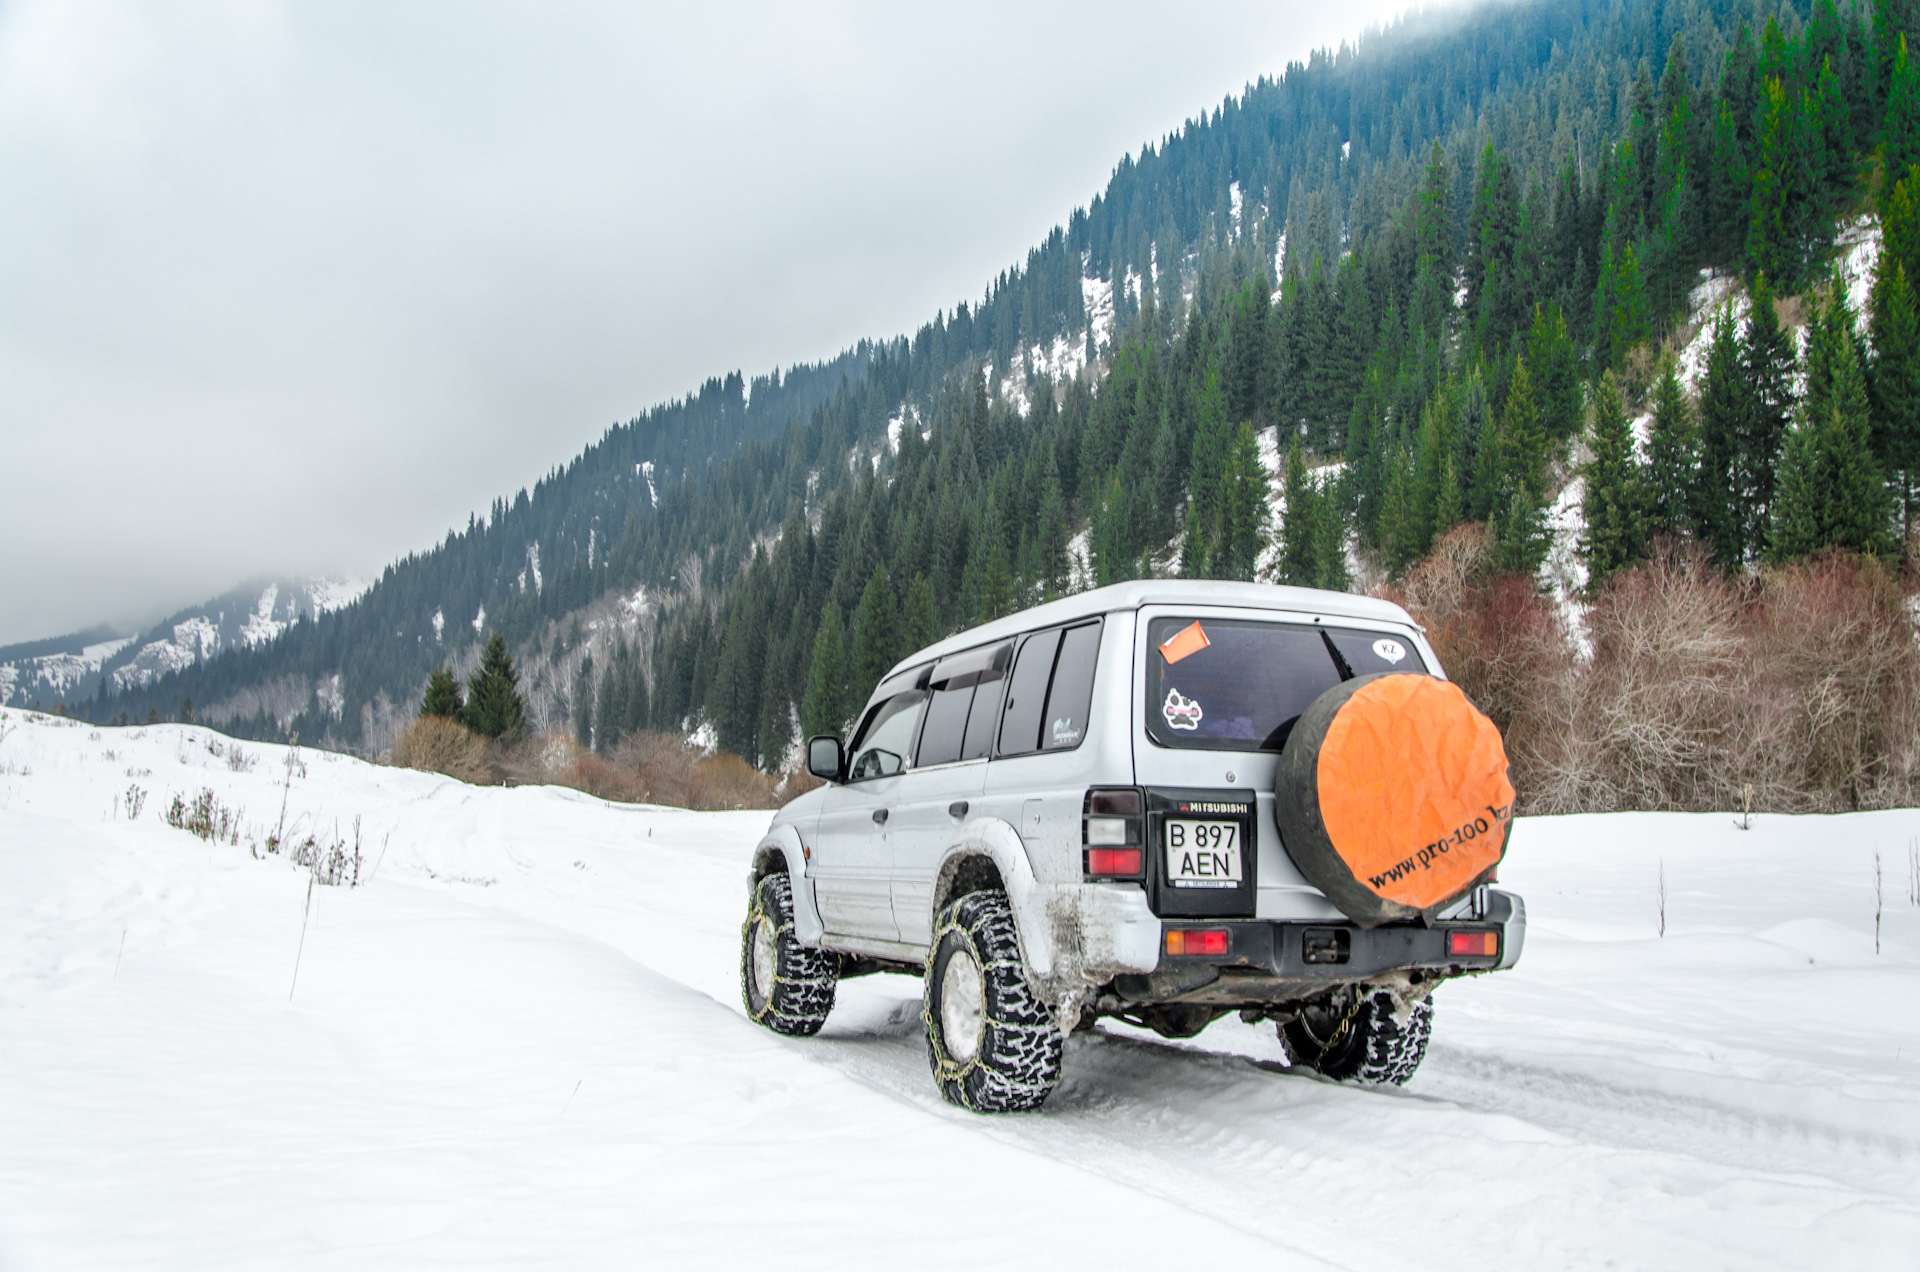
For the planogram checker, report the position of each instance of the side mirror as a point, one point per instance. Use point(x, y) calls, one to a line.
point(825, 759)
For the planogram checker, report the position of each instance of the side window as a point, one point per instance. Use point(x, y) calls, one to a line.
point(946, 729)
point(966, 693)
point(1027, 694)
point(1071, 698)
point(882, 747)
point(986, 706)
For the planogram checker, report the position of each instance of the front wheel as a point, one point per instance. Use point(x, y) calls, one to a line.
point(1354, 1036)
point(786, 986)
point(991, 1041)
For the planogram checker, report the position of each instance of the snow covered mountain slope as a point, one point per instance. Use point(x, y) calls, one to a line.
point(520, 1044)
point(246, 617)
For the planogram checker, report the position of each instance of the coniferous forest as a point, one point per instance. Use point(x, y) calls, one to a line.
point(1365, 321)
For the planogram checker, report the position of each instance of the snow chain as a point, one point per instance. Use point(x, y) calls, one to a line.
point(1346, 1021)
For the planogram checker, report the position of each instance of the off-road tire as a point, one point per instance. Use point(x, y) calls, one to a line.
point(801, 993)
point(1366, 1046)
point(1013, 1060)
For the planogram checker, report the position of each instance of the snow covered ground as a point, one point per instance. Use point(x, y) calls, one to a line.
point(520, 1045)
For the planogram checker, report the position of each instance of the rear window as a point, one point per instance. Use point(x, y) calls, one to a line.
point(1234, 685)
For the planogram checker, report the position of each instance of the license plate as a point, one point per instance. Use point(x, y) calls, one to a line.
point(1203, 854)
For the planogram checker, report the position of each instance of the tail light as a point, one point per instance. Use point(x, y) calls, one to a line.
point(1186, 942)
point(1483, 944)
point(1112, 834)
point(1114, 863)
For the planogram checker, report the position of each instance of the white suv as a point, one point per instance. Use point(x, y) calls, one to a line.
point(1071, 813)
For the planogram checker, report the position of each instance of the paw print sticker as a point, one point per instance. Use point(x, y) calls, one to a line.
point(1181, 712)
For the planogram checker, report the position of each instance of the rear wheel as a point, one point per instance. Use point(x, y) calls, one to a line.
point(786, 986)
point(991, 1041)
point(1353, 1036)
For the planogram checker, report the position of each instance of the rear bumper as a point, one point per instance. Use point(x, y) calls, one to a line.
point(1270, 962)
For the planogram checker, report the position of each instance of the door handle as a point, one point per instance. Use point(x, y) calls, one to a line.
point(957, 809)
point(879, 816)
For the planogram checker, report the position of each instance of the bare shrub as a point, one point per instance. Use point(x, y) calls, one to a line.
point(1500, 641)
point(1833, 642)
point(660, 768)
point(1798, 691)
point(545, 758)
point(1658, 718)
point(435, 744)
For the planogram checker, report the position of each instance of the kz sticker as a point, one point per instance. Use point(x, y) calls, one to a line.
point(1181, 712)
point(1064, 734)
point(1391, 650)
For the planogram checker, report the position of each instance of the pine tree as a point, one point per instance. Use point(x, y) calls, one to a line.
point(1896, 384)
point(1673, 456)
point(1724, 216)
point(608, 718)
point(922, 629)
point(1768, 357)
point(1330, 543)
point(996, 586)
point(876, 633)
point(1520, 535)
point(1478, 450)
point(1298, 565)
point(1051, 569)
point(1114, 558)
point(186, 710)
point(1831, 491)
point(1627, 324)
point(1550, 365)
point(1243, 509)
point(1770, 245)
point(1900, 223)
point(443, 695)
point(495, 708)
point(825, 707)
point(1721, 493)
point(582, 700)
point(1900, 126)
point(1615, 503)
point(1397, 533)
point(1523, 445)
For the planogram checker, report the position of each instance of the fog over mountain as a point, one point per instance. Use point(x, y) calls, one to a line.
point(295, 288)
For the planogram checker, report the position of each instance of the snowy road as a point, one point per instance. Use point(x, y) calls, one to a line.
point(521, 1046)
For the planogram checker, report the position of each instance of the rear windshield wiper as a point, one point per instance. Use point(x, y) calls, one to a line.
point(1339, 659)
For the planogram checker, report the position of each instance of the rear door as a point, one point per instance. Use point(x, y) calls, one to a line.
point(941, 792)
point(852, 862)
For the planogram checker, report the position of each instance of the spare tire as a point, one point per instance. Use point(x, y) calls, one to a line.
point(1393, 796)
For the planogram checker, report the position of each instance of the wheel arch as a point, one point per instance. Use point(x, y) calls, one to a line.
point(990, 854)
point(780, 852)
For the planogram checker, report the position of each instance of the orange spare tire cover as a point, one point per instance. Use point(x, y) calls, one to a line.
point(1393, 796)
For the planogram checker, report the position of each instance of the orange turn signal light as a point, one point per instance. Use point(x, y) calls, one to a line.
point(1191, 941)
point(1473, 944)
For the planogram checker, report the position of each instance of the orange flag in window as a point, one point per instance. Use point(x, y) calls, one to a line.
point(1189, 641)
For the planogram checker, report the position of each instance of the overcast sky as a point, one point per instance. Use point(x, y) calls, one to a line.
point(294, 288)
